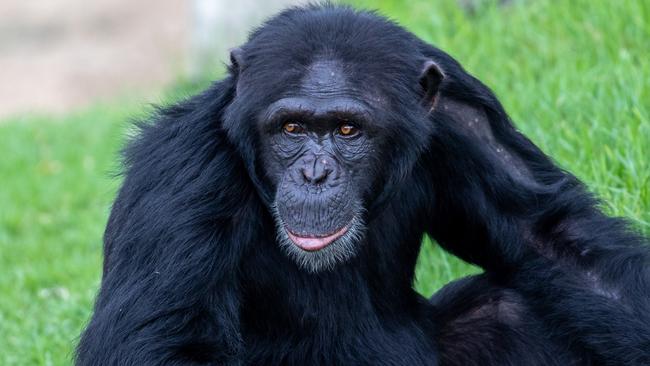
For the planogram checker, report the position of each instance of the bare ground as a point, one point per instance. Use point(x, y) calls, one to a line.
point(61, 54)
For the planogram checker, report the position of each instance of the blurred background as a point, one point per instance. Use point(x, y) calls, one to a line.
point(574, 75)
point(59, 55)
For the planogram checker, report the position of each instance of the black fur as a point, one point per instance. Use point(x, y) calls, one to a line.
point(193, 274)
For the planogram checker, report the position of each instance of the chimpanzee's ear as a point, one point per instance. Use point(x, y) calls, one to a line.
point(236, 61)
point(236, 64)
point(430, 79)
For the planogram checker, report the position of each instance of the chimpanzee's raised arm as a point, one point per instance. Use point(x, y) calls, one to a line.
point(502, 204)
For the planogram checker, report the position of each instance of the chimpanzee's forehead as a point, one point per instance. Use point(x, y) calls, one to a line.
point(324, 76)
point(329, 78)
point(325, 87)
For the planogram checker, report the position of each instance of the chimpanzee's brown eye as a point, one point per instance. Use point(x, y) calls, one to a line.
point(347, 130)
point(292, 127)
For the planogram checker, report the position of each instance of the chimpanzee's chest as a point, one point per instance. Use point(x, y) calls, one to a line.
point(354, 347)
point(290, 317)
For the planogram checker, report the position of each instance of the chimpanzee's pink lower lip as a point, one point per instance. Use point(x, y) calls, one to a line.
point(314, 243)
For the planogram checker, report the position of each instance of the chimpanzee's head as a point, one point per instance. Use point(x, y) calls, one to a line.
point(338, 104)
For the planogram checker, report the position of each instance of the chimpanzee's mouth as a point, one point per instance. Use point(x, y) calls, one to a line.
point(318, 241)
point(312, 243)
point(338, 242)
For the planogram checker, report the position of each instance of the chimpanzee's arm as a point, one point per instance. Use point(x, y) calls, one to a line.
point(501, 203)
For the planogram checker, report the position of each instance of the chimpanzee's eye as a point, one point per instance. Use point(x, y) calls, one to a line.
point(293, 128)
point(347, 130)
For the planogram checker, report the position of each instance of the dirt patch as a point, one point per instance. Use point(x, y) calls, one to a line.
point(61, 54)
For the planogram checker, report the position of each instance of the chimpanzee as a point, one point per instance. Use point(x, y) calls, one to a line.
point(276, 219)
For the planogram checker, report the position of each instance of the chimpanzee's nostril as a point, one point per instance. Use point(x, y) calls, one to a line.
point(317, 172)
point(314, 176)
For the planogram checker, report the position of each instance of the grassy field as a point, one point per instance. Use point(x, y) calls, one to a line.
point(574, 75)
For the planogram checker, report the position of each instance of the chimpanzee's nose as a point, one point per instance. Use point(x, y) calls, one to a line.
point(316, 171)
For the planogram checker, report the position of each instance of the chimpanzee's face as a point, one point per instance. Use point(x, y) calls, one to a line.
point(338, 127)
point(321, 141)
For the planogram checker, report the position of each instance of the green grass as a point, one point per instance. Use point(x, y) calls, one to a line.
point(574, 75)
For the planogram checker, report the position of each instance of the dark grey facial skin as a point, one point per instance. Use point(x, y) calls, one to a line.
point(320, 173)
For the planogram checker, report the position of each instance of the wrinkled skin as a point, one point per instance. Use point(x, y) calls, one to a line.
point(321, 174)
point(326, 174)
